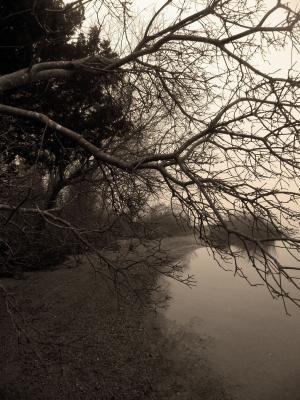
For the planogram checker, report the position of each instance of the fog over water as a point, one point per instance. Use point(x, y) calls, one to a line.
point(252, 342)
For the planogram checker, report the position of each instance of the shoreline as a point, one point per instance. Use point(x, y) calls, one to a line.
point(79, 343)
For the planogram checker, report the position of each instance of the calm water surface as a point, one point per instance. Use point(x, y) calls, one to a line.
point(254, 344)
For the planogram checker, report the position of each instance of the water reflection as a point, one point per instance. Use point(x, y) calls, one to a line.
point(256, 346)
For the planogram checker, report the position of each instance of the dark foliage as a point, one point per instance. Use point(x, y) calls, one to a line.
point(29, 29)
point(85, 103)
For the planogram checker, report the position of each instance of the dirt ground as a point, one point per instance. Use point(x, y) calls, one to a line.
point(65, 335)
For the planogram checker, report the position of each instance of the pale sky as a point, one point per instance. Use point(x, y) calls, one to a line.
point(279, 60)
point(143, 11)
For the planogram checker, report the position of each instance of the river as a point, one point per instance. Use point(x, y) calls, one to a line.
point(253, 344)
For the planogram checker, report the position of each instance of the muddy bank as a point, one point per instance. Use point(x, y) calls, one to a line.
point(65, 336)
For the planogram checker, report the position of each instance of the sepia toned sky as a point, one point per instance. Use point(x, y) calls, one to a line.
point(143, 10)
point(281, 60)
